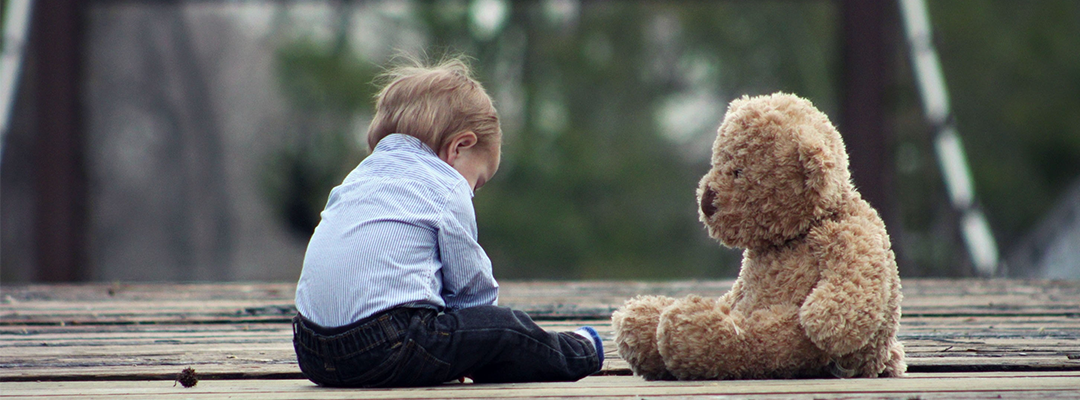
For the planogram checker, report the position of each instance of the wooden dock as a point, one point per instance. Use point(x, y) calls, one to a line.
point(964, 339)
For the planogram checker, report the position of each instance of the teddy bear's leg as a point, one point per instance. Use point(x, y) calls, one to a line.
point(784, 350)
point(700, 338)
point(635, 335)
point(704, 339)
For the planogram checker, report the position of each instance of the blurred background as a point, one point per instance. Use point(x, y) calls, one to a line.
point(198, 140)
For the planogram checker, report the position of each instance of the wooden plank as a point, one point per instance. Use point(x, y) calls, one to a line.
point(975, 385)
point(241, 331)
point(543, 290)
point(212, 303)
point(265, 350)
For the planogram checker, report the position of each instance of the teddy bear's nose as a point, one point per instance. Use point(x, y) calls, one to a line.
point(708, 207)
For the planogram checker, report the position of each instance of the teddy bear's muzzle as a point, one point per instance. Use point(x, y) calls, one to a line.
point(708, 202)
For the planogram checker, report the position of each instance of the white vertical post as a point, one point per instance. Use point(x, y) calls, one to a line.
point(947, 145)
point(16, 24)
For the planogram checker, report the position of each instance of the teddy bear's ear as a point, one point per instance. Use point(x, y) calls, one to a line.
point(818, 164)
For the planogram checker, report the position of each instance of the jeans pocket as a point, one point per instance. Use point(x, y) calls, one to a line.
point(419, 368)
point(312, 364)
point(371, 368)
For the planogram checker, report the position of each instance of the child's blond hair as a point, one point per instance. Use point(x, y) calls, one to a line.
point(432, 103)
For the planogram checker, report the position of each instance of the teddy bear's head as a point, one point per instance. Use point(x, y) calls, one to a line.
point(778, 165)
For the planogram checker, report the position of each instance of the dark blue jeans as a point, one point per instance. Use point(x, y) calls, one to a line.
point(423, 347)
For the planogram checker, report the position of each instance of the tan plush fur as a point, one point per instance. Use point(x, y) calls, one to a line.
point(818, 294)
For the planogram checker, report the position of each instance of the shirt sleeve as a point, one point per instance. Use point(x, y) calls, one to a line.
point(466, 268)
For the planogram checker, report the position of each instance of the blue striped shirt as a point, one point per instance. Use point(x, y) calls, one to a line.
point(400, 229)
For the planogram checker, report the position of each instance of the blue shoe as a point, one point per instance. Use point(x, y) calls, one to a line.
point(589, 332)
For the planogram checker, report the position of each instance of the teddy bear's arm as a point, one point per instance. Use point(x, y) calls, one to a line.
point(850, 301)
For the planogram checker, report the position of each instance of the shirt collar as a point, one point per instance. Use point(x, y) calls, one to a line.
point(395, 141)
point(401, 141)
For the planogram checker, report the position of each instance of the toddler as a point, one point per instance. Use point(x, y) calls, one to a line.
point(395, 290)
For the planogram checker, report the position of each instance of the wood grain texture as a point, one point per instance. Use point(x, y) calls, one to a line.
point(1060, 385)
point(238, 337)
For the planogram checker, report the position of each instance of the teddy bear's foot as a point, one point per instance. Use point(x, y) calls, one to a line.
point(635, 335)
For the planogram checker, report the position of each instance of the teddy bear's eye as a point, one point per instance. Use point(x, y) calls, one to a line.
point(737, 173)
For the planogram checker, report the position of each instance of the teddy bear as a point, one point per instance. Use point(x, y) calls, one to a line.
point(818, 291)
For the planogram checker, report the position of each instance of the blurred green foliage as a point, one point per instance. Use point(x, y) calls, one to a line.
point(595, 183)
point(327, 85)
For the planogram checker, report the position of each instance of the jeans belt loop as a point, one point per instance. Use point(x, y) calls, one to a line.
point(324, 349)
point(387, 324)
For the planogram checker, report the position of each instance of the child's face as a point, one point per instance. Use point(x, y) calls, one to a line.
point(475, 162)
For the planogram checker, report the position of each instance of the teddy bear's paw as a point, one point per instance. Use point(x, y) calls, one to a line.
point(895, 366)
point(883, 358)
point(894, 369)
point(835, 328)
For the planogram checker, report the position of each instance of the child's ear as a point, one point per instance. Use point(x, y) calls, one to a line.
point(457, 143)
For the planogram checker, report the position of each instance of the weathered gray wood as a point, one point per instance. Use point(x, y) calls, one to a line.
point(211, 303)
point(241, 331)
point(1059, 385)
